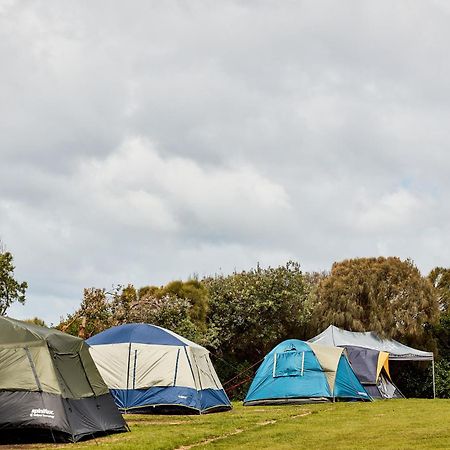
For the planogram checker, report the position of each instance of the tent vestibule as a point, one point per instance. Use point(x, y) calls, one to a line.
point(372, 369)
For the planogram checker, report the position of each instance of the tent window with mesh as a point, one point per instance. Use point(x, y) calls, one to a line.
point(288, 364)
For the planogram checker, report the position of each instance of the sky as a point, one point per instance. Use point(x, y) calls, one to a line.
point(146, 141)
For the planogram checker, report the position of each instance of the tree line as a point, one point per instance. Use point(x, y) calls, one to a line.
point(241, 316)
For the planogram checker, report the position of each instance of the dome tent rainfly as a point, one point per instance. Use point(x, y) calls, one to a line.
point(370, 340)
point(150, 369)
point(296, 371)
point(50, 387)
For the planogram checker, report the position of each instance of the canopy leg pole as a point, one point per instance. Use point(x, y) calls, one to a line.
point(434, 379)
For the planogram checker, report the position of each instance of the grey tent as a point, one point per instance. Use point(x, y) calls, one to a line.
point(370, 340)
point(50, 387)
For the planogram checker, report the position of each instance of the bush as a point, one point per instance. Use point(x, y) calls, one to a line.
point(416, 379)
point(442, 371)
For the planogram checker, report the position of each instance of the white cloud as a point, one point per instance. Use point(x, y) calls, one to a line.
point(392, 212)
point(147, 141)
point(139, 186)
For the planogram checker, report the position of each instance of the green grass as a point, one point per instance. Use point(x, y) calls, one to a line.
point(393, 424)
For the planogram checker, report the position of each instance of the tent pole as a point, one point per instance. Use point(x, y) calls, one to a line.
point(434, 379)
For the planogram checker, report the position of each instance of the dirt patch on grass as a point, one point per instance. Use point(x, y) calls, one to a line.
point(238, 431)
point(208, 441)
point(268, 409)
point(267, 422)
point(303, 414)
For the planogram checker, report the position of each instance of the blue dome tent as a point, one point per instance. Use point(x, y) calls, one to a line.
point(297, 371)
point(151, 369)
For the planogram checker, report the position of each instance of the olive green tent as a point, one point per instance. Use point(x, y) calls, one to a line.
point(50, 386)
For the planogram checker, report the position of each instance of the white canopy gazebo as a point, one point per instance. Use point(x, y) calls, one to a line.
point(397, 351)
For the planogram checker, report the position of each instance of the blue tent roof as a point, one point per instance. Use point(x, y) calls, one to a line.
point(292, 371)
point(139, 333)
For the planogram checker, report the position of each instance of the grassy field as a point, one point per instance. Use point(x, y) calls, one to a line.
point(394, 424)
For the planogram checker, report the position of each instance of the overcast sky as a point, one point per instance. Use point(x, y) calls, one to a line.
point(145, 141)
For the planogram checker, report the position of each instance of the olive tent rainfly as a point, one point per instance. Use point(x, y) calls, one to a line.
point(50, 387)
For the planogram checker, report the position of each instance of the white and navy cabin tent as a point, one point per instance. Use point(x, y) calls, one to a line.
point(151, 369)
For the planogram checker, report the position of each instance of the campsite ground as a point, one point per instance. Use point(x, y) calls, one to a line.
point(393, 424)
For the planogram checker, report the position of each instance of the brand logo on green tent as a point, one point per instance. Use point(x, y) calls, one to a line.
point(38, 412)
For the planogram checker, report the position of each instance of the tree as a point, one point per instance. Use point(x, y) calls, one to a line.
point(122, 303)
point(178, 306)
point(167, 311)
point(10, 290)
point(197, 295)
point(385, 295)
point(94, 314)
point(36, 321)
point(193, 290)
point(440, 278)
point(443, 378)
point(312, 282)
point(253, 310)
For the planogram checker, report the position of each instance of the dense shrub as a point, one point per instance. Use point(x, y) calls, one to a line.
point(252, 311)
